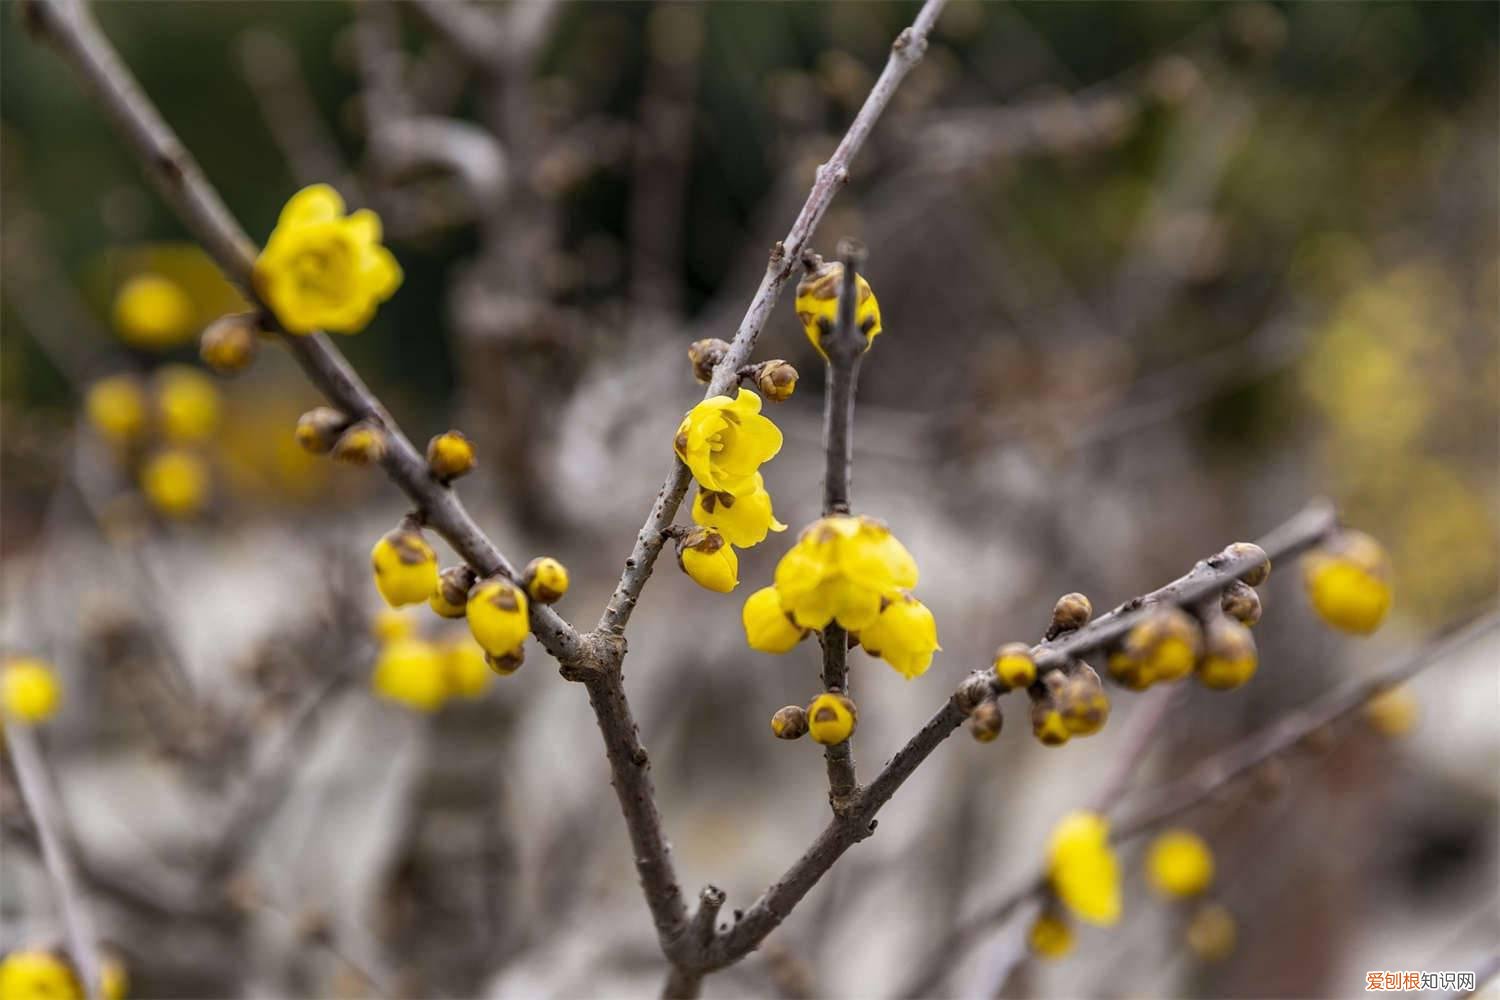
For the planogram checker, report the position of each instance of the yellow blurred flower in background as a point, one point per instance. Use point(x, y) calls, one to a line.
point(188, 403)
point(176, 482)
point(1082, 868)
point(29, 690)
point(116, 408)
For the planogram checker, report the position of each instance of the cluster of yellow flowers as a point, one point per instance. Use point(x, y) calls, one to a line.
point(724, 442)
point(160, 430)
point(29, 691)
point(497, 612)
point(852, 571)
point(41, 974)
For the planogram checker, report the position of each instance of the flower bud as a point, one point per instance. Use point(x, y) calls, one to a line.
point(230, 343)
point(817, 302)
point(450, 597)
point(831, 718)
point(1179, 864)
point(1082, 702)
point(985, 721)
point(1260, 567)
point(1229, 658)
point(187, 402)
point(1241, 602)
point(705, 356)
point(116, 408)
point(975, 690)
point(1211, 932)
point(507, 663)
point(176, 482)
point(1072, 611)
point(1050, 935)
point(497, 613)
point(789, 723)
point(1047, 723)
point(449, 456)
point(319, 428)
point(361, 444)
point(29, 691)
point(546, 580)
point(1349, 582)
point(776, 380)
point(705, 556)
point(406, 570)
point(410, 671)
point(768, 627)
point(465, 668)
point(1014, 665)
point(1162, 646)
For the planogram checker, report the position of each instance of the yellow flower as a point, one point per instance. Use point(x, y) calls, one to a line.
point(1211, 932)
point(742, 520)
point(1082, 868)
point(1050, 936)
point(450, 455)
point(767, 627)
point(116, 408)
point(188, 402)
point(709, 560)
point(33, 974)
point(546, 580)
point(1179, 864)
point(1393, 712)
point(411, 671)
point(1014, 665)
point(154, 312)
point(497, 614)
point(322, 269)
point(724, 441)
point(29, 690)
point(1229, 657)
point(831, 718)
point(406, 569)
point(114, 978)
point(904, 635)
point(389, 624)
point(464, 666)
point(176, 482)
point(1349, 583)
point(818, 304)
point(840, 569)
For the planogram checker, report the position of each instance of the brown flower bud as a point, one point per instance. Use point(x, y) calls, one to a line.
point(790, 723)
point(1241, 602)
point(507, 664)
point(985, 721)
point(705, 356)
point(361, 444)
point(451, 598)
point(449, 456)
point(975, 690)
point(1082, 702)
point(1072, 611)
point(1260, 563)
point(319, 428)
point(776, 380)
point(229, 343)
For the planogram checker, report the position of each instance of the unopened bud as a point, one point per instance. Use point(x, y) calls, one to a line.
point(1241, 602)
point(1082, 701)
point(449, 456)
point(1014, 665)
point(789, 723)
point(508, 663)
point(451, 597)
point(705, 356)
point(229, 344)
point(545, 580)
point(319, 428)
point(1072, 611)
point(974, 691)
point(361, 444)
point(1260, 563)
point(831, 718)
point(985, 721)
point(776, 380)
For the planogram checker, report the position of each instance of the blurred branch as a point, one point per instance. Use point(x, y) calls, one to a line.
point(906, 52)
point(36, 793)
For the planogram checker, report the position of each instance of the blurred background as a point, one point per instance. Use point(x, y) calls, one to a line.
point(1152, 274)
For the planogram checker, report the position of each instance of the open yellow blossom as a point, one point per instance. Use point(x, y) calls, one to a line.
point(322, 269)
point(116, 408)
point(406, 569)
point(712, 563)
point(188, 402)
point(903, 635)
point(464, 667)
point(840, 569)
point(818, 304)
point(767, 626)
point(831, 718)
point(29, 690)
point(1082, 868)
point(1050, 935)
point(154, 312)
point(742, 520)
point(724, 441)
point(176, 482)
point(1392, 712)
point(1179, 864)
point(33, 974)
point(498, 616)
point(411, 671)
point(1349, 582)
point(1211, 932)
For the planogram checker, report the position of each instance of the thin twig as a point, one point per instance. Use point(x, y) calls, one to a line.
point(36, 793)
point(906, 52)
